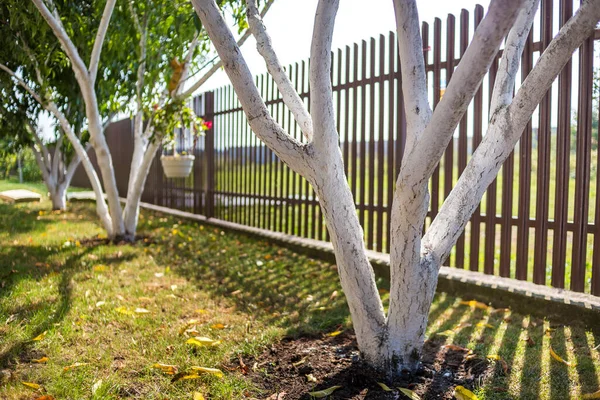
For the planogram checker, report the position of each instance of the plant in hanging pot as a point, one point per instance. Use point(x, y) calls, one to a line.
point(169, 119)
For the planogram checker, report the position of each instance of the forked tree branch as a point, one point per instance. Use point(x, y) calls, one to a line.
point(215, 67)
point(99, 41)
point(288, 149)
point(321, 100)
point(504, 85)
point(79, 67)
point(290, 97)
point(414, 82)
point(504, 131)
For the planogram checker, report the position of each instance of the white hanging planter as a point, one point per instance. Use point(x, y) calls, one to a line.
point(177, 166)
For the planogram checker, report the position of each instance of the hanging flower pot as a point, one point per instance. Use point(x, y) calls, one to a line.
point(177, 166)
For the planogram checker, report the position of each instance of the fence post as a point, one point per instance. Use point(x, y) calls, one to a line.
point(209, 151)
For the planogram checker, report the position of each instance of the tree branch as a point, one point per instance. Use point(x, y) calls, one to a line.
point(504, 85)
point(23, 84)
point(290, 97)
point(81, 72)
point(321, 100)
point(99, 41)
point(414, 81)
point(504, 131)
point(288, 149)
point(202, 80)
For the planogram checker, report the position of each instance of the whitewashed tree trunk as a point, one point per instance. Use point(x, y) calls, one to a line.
point(394, 343)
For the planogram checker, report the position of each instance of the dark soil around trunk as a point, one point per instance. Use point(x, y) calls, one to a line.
point(292, 368)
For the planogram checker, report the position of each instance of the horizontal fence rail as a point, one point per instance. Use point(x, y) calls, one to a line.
point(538, 221)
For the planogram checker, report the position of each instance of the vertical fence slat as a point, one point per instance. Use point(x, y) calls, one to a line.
point(391, 137)
point(437, 59)
point(477, 122)
point(582, 169)
point(525, 155)
point(563, 137)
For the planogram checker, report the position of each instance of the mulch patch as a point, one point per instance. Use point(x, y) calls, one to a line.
point(284, 369)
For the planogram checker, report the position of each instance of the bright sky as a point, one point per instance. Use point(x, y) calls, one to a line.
point(290, 24)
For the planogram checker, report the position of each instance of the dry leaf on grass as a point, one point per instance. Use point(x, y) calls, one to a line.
point(41, 360)
point(213, 371)
point(336, 333)
point(32, 385)
point(462, 393)
point(202, 341)
point(559, 358)
point(75, 365)
point(41, 336)
point(166, 368)
point(475, 304)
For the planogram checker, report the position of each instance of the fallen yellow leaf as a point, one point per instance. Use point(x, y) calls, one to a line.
point(484, 325)
point(32, 385)
point(183, 376)
point(595, 395)
point(384, 387)
point(333, 334)
point(187, 325)
point(124, 310)
point(99, 268)
point(77, 364)
point(217, 326)
point(324, 393)
point(41, 336)
point(462, 393)
point(41, 360)
point(409, 393)
point(559, 358)
point(475, 304)
point(213, 371)
point(166, 368)
point(202, 341)
point(198, 396)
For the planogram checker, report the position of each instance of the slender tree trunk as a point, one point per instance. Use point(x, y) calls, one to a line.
point(356, 273)
point(136, 188)
point(58, 196)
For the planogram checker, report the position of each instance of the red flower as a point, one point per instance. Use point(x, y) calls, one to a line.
point(207, 125)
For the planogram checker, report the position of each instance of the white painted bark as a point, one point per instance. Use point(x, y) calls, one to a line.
point(101, 208)
point(86, 80)
point(394, 343)
point(412, 282)
point(505, 129)
point(289, 95)
point(134, 196)
point(217, 65)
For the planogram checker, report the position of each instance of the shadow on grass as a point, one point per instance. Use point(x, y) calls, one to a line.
point(28, 262)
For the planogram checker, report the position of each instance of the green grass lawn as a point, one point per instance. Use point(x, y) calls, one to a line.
point(120, 309)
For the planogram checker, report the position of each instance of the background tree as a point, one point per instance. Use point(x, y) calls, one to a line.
point(393, 340)
point(162, 33)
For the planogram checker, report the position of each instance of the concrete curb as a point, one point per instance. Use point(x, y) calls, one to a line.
point(523, 297)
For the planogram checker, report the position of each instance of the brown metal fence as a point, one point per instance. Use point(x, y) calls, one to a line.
point(536, 222)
